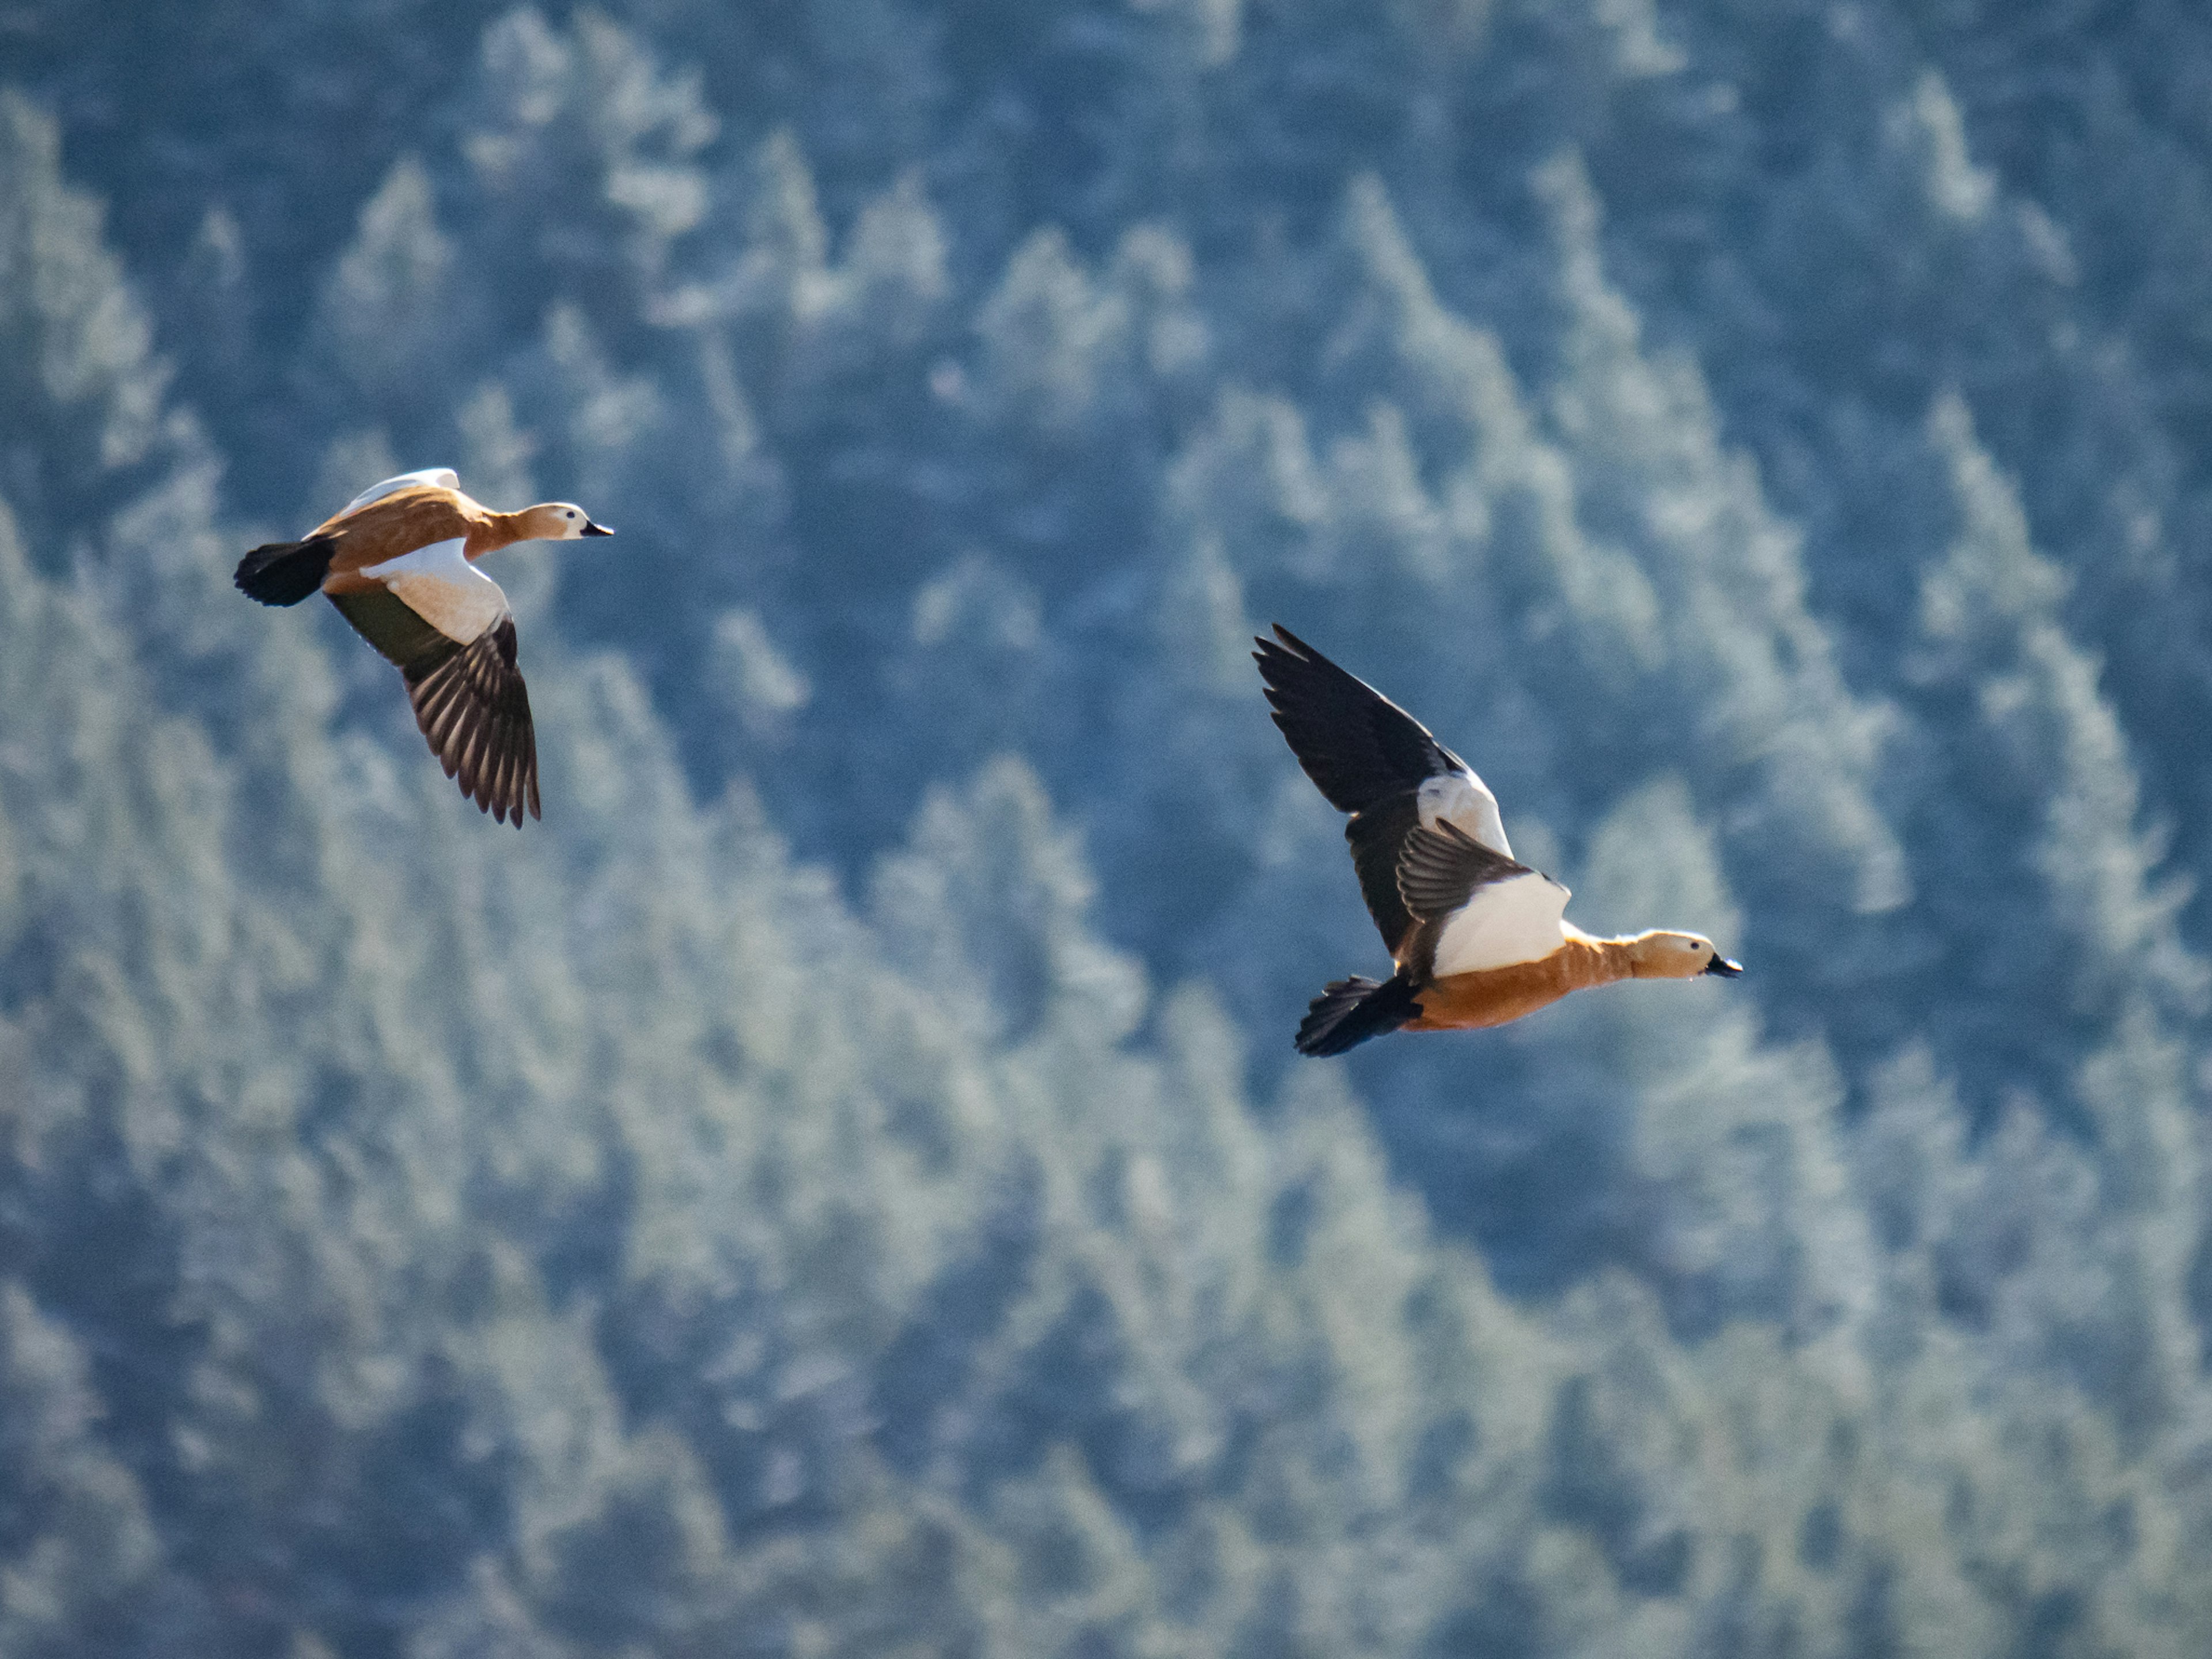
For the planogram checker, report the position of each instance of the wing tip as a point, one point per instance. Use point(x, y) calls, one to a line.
point(481, 733)
point(1284, 644)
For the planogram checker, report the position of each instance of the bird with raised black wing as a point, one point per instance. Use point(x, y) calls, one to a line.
point(399, 563)
point(1478, 937)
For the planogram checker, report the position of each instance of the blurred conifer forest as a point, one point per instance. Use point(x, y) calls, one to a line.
point(840, 1186)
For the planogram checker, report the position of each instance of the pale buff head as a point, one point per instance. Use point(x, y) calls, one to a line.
point(1660, 955)
point(556, 521)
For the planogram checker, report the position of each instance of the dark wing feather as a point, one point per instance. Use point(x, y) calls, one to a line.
point(404, 638)
point(469, 700)
point(1440, 869)
point(1357, 745)
point(474, 708)
point(1376, 835)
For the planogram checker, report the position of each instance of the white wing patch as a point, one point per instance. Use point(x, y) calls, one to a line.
point(437, 477)
point(1465, 801)
point(1521, 918)
point(439, 585)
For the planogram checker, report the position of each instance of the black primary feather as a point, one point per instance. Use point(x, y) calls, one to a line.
point(1375, 835)
point(1358, 746)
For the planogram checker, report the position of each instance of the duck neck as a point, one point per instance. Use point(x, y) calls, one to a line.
point(1598, 961)
point(498, 530)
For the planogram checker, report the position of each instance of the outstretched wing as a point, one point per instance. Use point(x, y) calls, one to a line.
point(1372, 759)
point(1358, 746)
point(468, 694)
point(1473, 908)
point(475, 710)
point(435, 477)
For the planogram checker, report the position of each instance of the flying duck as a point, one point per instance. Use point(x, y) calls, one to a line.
point(1479, 938)
point(399, 563)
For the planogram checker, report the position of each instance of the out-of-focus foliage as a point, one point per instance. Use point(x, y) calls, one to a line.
point(838, 1185)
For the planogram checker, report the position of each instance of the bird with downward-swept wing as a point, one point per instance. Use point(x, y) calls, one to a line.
point(399, 563)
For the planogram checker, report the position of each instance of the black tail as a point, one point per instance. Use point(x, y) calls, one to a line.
point(285, 573)
point(1353, 1010)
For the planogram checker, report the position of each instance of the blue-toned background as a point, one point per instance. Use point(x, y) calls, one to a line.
point(840, 1186)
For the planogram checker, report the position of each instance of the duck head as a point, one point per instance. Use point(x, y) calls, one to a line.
point(558, 521)
point(1662, 955)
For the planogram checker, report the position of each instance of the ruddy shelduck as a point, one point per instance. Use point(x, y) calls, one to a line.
point(399, 563)
point(1479, 938)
